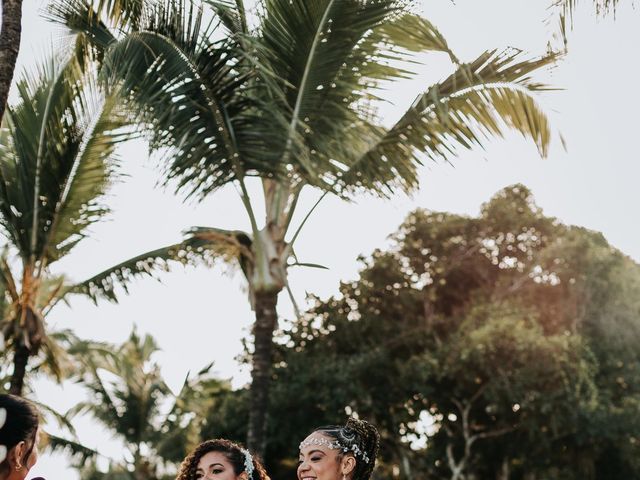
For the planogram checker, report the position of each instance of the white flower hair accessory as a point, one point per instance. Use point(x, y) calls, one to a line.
point(3, 448)
point(248, 463)
point(335, 445)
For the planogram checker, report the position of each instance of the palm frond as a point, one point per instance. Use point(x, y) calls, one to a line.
point(314, 48)
point(80, 18)
point(60, 149)
point(188, 91)
point(232, 14)
point(602, 7)
point(61, 419)
point(104, 284)
point(54, 360)
point(91, 174)
point(78, 453)
point(479, 100)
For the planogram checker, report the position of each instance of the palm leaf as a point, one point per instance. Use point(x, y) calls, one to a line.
point(103, 285)
point(232, 14)
point(188, 91)
point(93, 34)
point(313, 48)
point(79, 453)
point(479, 100)
point(63, 135)
point(90, 175)
point(602, 7)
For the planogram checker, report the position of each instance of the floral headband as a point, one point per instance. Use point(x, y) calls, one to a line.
point(248, 463)
point(335, 445)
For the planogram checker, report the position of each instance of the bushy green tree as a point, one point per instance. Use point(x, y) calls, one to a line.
point(501, 346)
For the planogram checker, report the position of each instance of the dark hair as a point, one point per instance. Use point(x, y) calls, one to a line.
point(21, 425)
point(232, 451)
point(356, 436)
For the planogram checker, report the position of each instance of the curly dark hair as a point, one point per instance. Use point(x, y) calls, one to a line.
point(360, 434)
point(232, 451)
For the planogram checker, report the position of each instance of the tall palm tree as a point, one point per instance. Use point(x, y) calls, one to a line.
point(130, 398)
point(10, 34)
point(56, 161)
point(288, 95)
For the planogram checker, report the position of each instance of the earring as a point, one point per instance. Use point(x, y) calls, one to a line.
point(18, 466)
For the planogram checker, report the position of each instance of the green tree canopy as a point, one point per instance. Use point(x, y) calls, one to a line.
point(499, 346)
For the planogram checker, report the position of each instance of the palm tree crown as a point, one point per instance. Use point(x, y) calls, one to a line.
point(288, 93)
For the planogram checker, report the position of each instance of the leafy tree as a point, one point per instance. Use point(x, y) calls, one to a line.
point(502, 346)
point(57, 159)
point(130, 398)
point(288, 95)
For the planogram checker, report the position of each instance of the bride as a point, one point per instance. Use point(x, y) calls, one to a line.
point(339, 452)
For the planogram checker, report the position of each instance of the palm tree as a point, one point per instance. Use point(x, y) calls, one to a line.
point(56, 161)
point(130, 397)
point(288, 95)
point(10, 34)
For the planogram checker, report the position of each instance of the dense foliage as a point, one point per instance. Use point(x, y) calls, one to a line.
point(501, 346)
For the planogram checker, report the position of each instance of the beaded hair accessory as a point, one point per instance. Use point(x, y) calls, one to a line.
point(3, 448)
point(248, 463)
point(335, 445)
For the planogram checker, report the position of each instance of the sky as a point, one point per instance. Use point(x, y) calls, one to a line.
point(198, 315)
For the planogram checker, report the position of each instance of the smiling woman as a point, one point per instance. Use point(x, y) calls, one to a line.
point(221, 459)
point(339, 452)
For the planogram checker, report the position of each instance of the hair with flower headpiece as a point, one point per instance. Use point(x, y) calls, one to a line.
point(239, 457)
point(20, 421)
point(356, 437)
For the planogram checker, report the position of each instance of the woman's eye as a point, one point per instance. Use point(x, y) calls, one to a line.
point(315, 459)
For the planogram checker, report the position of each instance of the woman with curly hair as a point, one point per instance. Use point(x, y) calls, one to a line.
point(221, 459)
point(339, 452)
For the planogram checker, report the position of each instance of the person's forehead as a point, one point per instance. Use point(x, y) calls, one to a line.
point(210, 458)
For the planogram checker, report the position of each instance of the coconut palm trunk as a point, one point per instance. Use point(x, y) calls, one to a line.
point(10, 33)
point(263, 328)
point(20, 359)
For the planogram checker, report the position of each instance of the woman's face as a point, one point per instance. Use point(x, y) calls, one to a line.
point(216, 466)
point(319, 462)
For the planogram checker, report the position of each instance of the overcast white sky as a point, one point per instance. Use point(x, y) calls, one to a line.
point(199, 315)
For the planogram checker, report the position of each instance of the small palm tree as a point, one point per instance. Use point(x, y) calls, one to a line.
point(56, 161)
point(288, 95)
point(130, 398)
